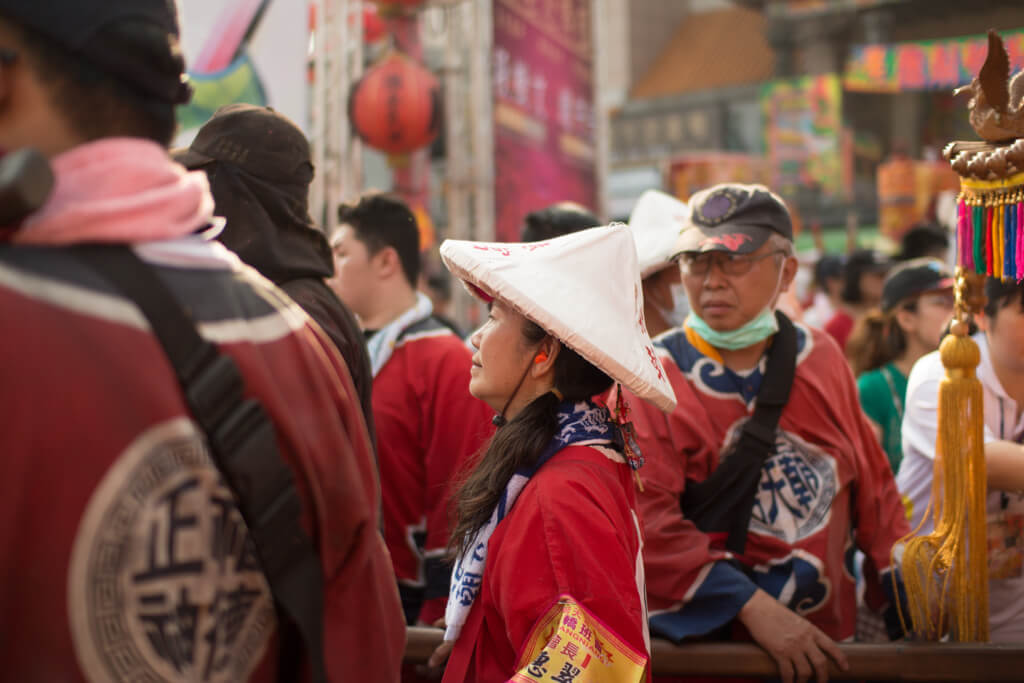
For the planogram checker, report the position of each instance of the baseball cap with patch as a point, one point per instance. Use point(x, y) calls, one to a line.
point(735, 218)
point(258, 140)
point(915, 277)
point(146, 55)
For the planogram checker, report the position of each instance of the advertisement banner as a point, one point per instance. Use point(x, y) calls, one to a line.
point(544, 137)
point(803, 135)
point(925, 65)
point(252, 51)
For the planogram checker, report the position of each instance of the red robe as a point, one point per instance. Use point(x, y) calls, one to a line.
point(573, 530)
point(124, 555)
point(827, 491)
point(428, 427)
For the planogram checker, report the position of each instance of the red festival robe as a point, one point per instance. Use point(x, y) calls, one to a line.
point(573, 535)
point(826, 492)
point(428, 427)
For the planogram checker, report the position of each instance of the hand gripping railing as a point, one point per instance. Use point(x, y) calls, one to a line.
point(891, 662)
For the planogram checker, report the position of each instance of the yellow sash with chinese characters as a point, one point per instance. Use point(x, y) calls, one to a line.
point(571, 645)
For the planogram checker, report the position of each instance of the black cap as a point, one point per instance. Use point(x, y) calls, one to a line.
point(154, 68)
point(915, 277)
point(733, 217)
point(258, 140)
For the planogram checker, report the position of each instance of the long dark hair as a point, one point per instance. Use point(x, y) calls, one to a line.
point(520, 442)
point(877, 339)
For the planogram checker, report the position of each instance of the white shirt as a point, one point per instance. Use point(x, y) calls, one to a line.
point(914, 479)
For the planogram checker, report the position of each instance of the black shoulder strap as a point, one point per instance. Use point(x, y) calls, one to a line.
point(723, 502)
point(244, 447)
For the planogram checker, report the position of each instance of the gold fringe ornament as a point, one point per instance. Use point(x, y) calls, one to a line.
point(945, 573)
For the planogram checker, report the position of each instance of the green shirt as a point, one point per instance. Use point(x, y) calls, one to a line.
point(882, 393)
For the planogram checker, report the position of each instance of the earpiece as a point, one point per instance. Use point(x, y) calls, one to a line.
point(540, 358)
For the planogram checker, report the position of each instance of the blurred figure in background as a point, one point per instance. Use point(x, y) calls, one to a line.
point(827, 287)
point(263, 193)
point(917, 302)
point(924, 240)
point(556, 220)
point(428, 424)
point(656, 222)
point(863, 275)
point(438, 288)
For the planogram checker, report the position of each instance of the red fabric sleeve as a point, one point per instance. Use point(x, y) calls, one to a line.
point(879, 518)
point(676, 553)
point(358, 577)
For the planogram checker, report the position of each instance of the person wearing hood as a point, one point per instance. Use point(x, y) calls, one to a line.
point(767, 475)
point(259, 167)
point(548, 581)
point(656, 222)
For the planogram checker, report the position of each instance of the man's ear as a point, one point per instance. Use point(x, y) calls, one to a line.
point(386, 262)
point(789, 269)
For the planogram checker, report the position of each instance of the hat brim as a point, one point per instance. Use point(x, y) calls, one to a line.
point(737, 239)
point(189, 158)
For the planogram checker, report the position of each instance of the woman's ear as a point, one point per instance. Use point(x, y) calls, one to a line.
point(544, 359)
point(906, 319)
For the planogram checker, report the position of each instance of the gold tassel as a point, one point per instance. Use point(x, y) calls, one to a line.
point(946, 572)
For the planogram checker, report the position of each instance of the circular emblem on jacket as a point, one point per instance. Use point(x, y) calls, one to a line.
point(163, 582)
point(798, 484)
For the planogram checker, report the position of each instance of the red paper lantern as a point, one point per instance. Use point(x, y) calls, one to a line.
point(373, 26)
point(396, 106)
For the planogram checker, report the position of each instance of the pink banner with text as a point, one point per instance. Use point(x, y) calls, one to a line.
point(544, 124)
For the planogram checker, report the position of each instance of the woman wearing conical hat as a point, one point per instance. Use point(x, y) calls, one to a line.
point(548, 579)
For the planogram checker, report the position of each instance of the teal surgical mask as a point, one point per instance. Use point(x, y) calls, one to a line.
point(757, 330)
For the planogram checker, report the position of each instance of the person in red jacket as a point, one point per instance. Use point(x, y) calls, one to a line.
point(548, 582)
point(428, 424)
point(125, 556)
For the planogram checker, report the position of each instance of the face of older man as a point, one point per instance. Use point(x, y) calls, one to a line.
point(729, 290)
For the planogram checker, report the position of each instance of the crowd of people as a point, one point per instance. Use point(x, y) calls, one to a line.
point(265, 452)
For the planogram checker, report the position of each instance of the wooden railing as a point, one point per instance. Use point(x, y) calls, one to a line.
point(890, 662)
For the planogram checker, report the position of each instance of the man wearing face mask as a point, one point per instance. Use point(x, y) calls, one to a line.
point(656, 222)
point(763, 481)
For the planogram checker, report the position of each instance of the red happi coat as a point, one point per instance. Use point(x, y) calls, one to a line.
point(826, 492)
point(124, 554)
point(428, 427)
point(572, 531)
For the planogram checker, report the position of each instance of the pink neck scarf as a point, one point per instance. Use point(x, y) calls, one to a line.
point(119, 190)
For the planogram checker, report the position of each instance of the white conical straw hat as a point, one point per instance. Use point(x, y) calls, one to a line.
point(583, 289)
point(656, 222)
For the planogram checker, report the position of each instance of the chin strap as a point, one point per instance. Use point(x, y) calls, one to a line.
point(499, 419)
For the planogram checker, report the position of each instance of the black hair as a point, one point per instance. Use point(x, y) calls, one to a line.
point(859, 262)
point(383, 220)
point(95, 103)
point(556, 220)
point(923, 240)
point(1002, 293)
point(522, 439)
point(441, 282)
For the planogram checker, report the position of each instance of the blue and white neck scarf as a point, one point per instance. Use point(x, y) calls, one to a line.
point(580, 424)
point(382, 344)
